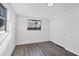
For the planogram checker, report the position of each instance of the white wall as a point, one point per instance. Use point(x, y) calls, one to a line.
point(8, 45)
point(64, 30)
point(25, 36)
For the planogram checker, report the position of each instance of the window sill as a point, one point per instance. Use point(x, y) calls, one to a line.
point(2, 32)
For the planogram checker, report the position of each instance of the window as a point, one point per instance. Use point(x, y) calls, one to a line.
point(3, 18)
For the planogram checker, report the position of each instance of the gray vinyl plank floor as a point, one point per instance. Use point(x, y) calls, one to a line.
point(41, 49)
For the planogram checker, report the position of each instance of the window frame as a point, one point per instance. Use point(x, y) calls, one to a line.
point(3, 16)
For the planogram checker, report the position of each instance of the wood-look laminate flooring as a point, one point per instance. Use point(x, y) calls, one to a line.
point(41, 49)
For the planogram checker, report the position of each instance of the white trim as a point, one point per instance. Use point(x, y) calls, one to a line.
point(2, 18)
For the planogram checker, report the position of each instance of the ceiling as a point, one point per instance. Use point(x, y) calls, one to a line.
point(41, 9)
